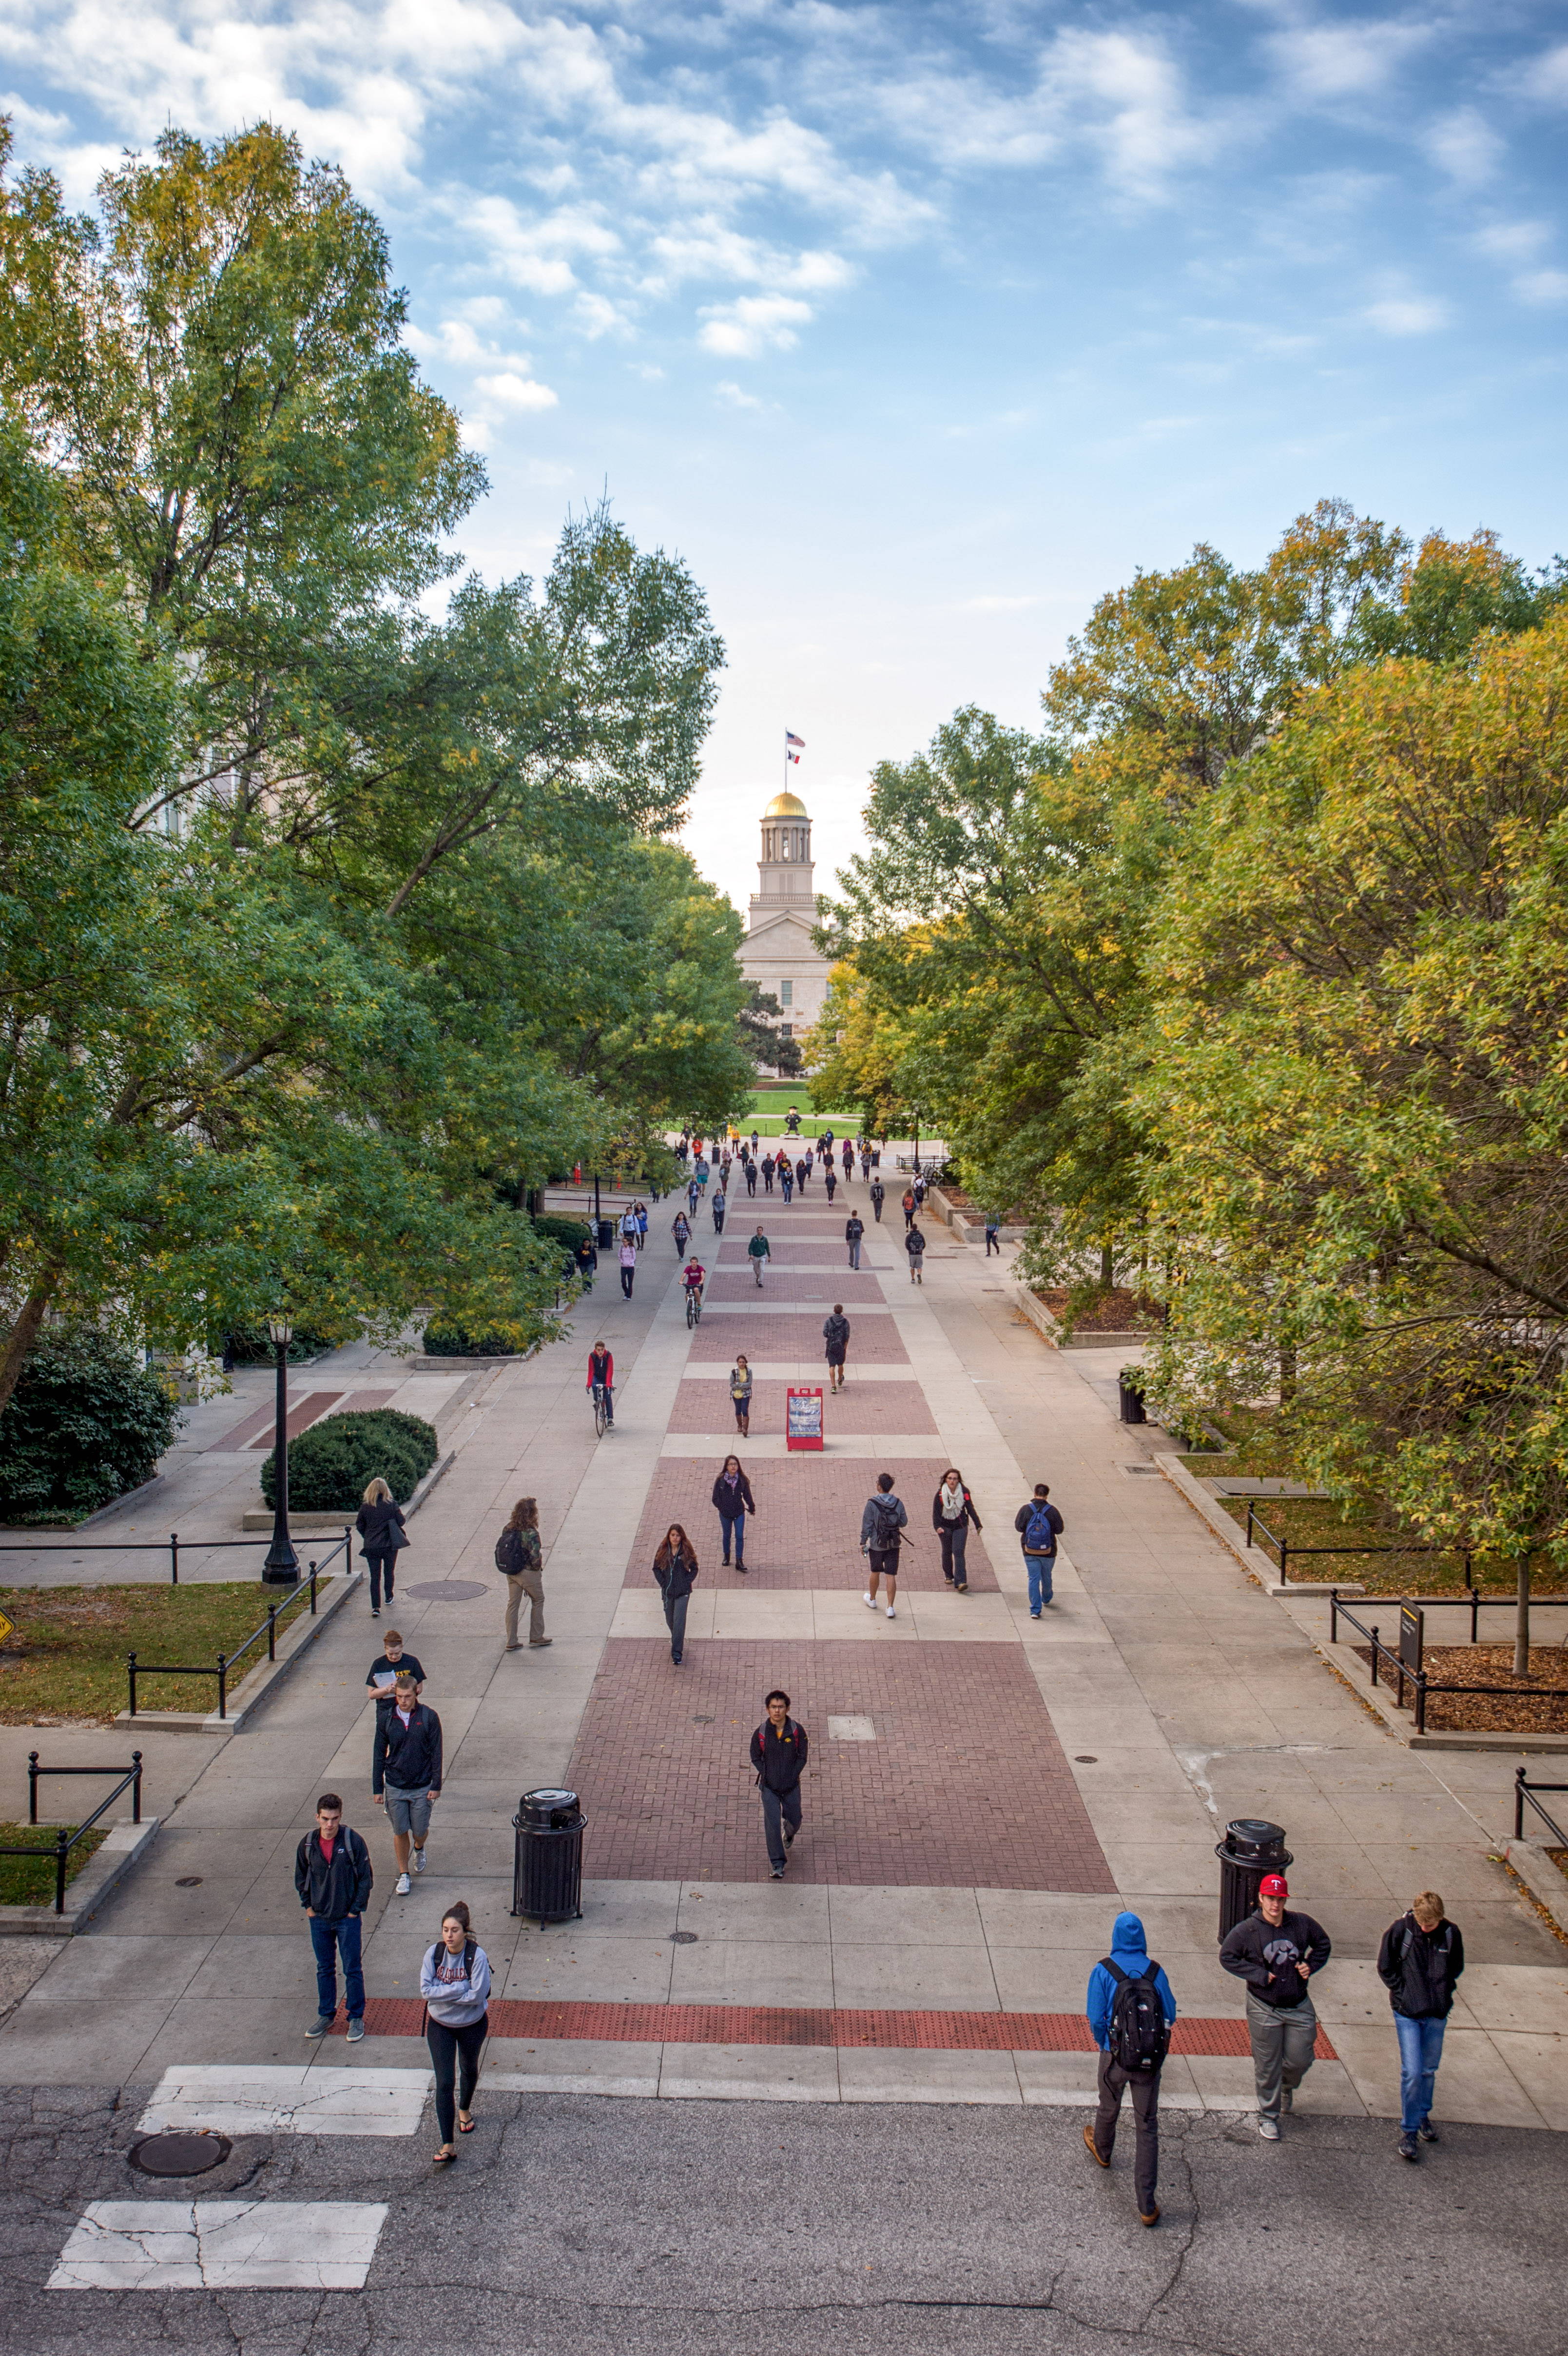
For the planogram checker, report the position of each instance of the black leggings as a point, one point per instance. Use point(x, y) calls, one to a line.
point(454, 2053)
point(380, 1571)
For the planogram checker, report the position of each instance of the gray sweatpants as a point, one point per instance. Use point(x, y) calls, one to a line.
point(1282, 2039)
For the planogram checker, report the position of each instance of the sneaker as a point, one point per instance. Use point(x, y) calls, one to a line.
point(1407, 2147)
point(357, 2028)
point(320, 2025)
point(870, 1601)
point(419, 1860)
point(1268, 2128)
point(778, 1873)
point(404, 1885)
point(789, 1836)
point(538, 1643)
point(374, 1611)
point(1427, 2133)
point(1034, 1615)
point(892, 1613)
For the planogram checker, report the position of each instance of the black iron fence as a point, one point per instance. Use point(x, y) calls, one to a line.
point(1524, 1790)
point(169, 1546)
point(1406, 1664)
point(222, 1668)
point(1287, 1547)
point(66, 1836)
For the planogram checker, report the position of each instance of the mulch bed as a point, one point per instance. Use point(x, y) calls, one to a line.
point(1511, 1712)
point(1120, 1311)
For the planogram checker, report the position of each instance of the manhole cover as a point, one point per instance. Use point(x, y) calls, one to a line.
point(449, 1590)
point(1086, 1758)
point(180, 2155)
point(703, 1721)
point(683, 1938)
point(188, 1881)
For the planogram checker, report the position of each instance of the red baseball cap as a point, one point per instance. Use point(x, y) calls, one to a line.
point(1274, 1885)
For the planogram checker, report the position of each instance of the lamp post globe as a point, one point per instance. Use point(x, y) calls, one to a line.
point(282, 1567)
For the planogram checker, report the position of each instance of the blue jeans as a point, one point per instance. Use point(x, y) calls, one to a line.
point(855, 1254)
point(675, 1620)
point(777, 1806)
point(331, 1940)
point(1420, 2052)
point(1039, 1568)
point(734, 1529)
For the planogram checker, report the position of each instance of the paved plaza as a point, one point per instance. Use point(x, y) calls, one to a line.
point(863, 2084)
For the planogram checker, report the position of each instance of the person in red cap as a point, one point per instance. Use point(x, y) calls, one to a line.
point(1275, 1952)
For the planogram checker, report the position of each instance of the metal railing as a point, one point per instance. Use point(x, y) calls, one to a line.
point(1524, 1789)
point(1424, 1685)
point(66, 1837)
point(1470, 1599)
point(171, 1546)
point(222, 1667)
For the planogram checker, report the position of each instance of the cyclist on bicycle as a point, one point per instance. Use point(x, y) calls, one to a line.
point(694, 1278)
point(601, 1377)
point(681, 1229)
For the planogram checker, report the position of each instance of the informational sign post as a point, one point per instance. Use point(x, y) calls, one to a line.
point(803, 1418)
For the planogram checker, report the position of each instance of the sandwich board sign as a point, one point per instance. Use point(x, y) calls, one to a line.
point(803, 1416)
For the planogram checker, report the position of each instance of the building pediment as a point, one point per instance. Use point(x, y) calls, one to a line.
point(774, 927)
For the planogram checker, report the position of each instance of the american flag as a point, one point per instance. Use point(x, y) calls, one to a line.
point(793, 742)
point(790, 738)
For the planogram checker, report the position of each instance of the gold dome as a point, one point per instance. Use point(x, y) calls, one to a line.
point(785, 806)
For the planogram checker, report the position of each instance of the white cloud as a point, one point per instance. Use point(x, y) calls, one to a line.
point(1346, 60)
point(1541, 287)
point(1513, 241)
point(510, 391)
point(1465, 146)
point(744, 329)
point(1407, 315)
point(733, 397)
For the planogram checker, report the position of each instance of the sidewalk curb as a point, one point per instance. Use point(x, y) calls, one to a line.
point(1345, 1658)
point(125, 1846)
point(258, 1682)
point(1230, 1535)
point(1545, 1884)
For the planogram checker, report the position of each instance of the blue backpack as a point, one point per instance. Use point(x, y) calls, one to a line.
point(1040, 1537)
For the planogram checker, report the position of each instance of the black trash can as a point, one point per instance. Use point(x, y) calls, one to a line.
point(546, 1864)
point(1130, 1383)
point(1250, 1849)
point(606, 1233)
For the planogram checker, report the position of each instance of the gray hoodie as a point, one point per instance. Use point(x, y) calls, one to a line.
point(883, 1520)
point(456, 1992)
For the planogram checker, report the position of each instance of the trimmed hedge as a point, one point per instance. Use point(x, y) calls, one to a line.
point(567, 1232)
point(84, 1424)
point(333, 1463)
point(459, 1341)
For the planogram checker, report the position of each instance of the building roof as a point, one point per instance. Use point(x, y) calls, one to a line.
point(785, 806)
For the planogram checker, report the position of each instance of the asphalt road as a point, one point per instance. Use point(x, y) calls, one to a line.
point(595, 2227)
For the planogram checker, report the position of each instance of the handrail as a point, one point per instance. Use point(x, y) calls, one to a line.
point(65, 1842)
point(138, 1546)
point(225, 1661)
point(1471, 1599)
point(1523, 1791)
point(1423, 1683)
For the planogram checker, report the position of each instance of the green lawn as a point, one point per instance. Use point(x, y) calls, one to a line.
point(768, 1106)
point(65, 1657)
point(23, 1884)
point(1309, 1521)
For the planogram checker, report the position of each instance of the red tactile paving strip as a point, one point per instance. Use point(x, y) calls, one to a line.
point(841, 2028)
point(862, 1409)
point(965, 1785)
point(874, 1341)
point(806, 1529)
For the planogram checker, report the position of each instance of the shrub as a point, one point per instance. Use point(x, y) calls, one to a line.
point(567, 1232)
point(333, 1463)
point(462, 1341)
point(84, 1424)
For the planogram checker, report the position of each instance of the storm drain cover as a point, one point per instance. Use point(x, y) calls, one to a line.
point(188, 1881)
point(180, 2155)
point(449, 1590)
point(683, 1938)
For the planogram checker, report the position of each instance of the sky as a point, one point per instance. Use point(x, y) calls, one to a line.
point(914, 328)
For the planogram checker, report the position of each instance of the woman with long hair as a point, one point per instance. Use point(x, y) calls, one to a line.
point(519, 1553)
point(455, 1981)
point(741, 1394)
point(733, 1499)
point(675, 1569)
point(952, 1511)
point(379, 1523)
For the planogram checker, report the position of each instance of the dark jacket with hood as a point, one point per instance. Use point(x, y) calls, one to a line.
point(408, 1757)
point(836, 1334)
point(1419, 1967)
point(1267, 1957)
point(1129, 1950)
point(675, 1572)
point(779, 1758)
point(882, 1523)
point(338, 1889)
point(731, 1500)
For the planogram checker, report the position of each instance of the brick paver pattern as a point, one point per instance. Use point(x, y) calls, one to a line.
point(873, 1341)
point(966, 1784)
point(806, 1532)
point(862, 1408)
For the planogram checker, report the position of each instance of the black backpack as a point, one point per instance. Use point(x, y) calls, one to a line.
point(511, 1556)
point(1139, 2036)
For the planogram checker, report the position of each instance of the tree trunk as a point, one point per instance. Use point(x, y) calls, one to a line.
point(1521, 1622)
point(1107, 1266)
point(1287, 1373)
point(26, 1331)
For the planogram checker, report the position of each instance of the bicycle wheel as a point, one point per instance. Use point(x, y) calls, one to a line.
point(697, 1308)
point(691, 1305)
point(599, 1418)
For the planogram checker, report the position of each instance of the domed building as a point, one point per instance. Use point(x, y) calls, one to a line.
point(778, 954)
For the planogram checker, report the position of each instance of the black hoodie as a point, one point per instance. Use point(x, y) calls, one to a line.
point(1265, 1955)
point(1419, 1967)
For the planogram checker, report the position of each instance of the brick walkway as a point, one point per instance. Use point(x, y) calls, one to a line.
point(862, 1406)
point(873, 1341)
point(806, 1530)
point(965, 1783)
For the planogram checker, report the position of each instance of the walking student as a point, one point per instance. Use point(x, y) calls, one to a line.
point(758, 1253)
point(455, 1981)
point(767, 1173)
point(734, 1500)
point(836, 1339)
point(1275, 1952)
point(993, 1234)
point(830, 1179)
point(391, 1662)
point(1038, 1524)
point(854, 1229)
point(1419, 1963)
point(907, 1205)
point(719, 1205)
point(405, 1772)
point(779, 1753)
point(751, 1174)
point(628, 1259)
point(332, 1877)
point(675, 1569)
point(786, 1179)
point(951, 1512)
point(601, 1377)
point(380, 1524)
point(1131, 2013)
point(914, 1244)
point(680, 1228)
point(519, 1557)
point(882, 1525)
point(879, 1196)
point(741, 1394)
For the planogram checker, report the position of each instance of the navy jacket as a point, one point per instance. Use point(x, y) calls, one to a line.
point(338, 1889)
point(408, 1756)
point(779, 1758)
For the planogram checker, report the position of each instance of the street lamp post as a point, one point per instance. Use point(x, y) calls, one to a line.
point(282, 1568)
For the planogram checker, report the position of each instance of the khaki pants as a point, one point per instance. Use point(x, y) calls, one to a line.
point(531, 1584)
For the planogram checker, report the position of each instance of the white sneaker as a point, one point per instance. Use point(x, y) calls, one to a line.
point(892, 1613)
point(404, 1885)
point(870, 1601)
point(419, 1860)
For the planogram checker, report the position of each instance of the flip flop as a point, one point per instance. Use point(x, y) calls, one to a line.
point(469, 2128)
point(442, 2158)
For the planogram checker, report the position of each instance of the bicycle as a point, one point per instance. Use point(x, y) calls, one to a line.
point(600, 1410)
point(694, 1305)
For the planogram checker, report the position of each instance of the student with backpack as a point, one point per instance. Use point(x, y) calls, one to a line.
point(1131, 2009)
point(879, 1196)
point(880, 1524)
point(455, 1981)
point(1040, 1525)
point(779, 1752)
point(854, 1231)
point(601, 1377)
point(333, 1877)
point(835, 1340)
point(914, 1244)
point(519, 1558)
point(1419, 1963)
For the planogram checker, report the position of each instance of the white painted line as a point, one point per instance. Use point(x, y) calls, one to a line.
point(288, 2098)
point(221, 2246)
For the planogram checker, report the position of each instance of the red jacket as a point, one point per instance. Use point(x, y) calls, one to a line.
point(607, 1377)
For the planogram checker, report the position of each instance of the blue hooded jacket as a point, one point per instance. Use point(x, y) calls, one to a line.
point(1130, 1950)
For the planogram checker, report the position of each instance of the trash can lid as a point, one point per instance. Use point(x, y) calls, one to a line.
point(1253, 1840)
point(547, 1808)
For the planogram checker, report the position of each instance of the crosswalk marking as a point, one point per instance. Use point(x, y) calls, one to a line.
point(221, 2246)
point(288, 2098)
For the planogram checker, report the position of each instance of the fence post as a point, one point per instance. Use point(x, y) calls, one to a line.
point(32, 1787)
point(313, 1590)
point(1285, 1562)
point(1334, 1615)
point(1374, 1637)
point(1519, 1804)
point(1249, 1521)
point(131, 1672)
point(272, 1632)
point(173, 1557)
point(1421, 1701)
point(222, 1685)
point(61, 1844)
point(1475, 1601)
point(136, 1789)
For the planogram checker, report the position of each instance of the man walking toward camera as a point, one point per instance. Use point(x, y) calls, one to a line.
point(1275, 1952)
point(1419, 1963)
point(779, 1750)
point(854, 1230)
point(759, 1252)
point(1131, 2010)
point(405, 1774)
point(332, 1877)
